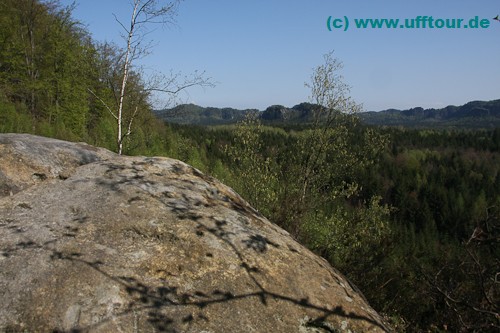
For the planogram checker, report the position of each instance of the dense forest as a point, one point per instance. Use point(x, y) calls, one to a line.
point(427, 254)
point(411, 216)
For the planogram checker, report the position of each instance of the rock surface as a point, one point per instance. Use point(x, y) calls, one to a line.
point(95, 242)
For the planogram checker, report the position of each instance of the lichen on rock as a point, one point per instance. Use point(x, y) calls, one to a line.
point(139, 244)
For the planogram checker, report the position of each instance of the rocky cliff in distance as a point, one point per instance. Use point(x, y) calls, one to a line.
point(95, 242)
point(476, 114)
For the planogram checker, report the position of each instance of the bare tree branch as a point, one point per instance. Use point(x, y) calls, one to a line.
point(119, 22)
point(103, 103)
point(174, 83)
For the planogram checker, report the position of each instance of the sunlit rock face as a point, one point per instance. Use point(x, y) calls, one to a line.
point(95, 242)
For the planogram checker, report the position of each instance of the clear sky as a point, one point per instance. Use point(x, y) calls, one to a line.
point(261, 52)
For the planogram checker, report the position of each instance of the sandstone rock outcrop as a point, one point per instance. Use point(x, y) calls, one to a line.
point(95, 242)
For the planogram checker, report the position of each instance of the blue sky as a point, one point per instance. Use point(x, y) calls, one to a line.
point(261, 52)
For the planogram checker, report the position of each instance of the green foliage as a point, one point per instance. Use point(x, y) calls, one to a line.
point(257, 174)
point(14, 119)
point(348, 234)
point(443, 186)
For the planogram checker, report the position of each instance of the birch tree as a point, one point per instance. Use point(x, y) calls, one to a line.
point(328, 153)
point(145, 13)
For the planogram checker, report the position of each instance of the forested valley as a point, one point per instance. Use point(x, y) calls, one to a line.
point(411, 216)
point(420, 235)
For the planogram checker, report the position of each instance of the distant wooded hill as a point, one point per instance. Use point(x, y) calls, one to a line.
point(197, 115)
point(476, 114)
